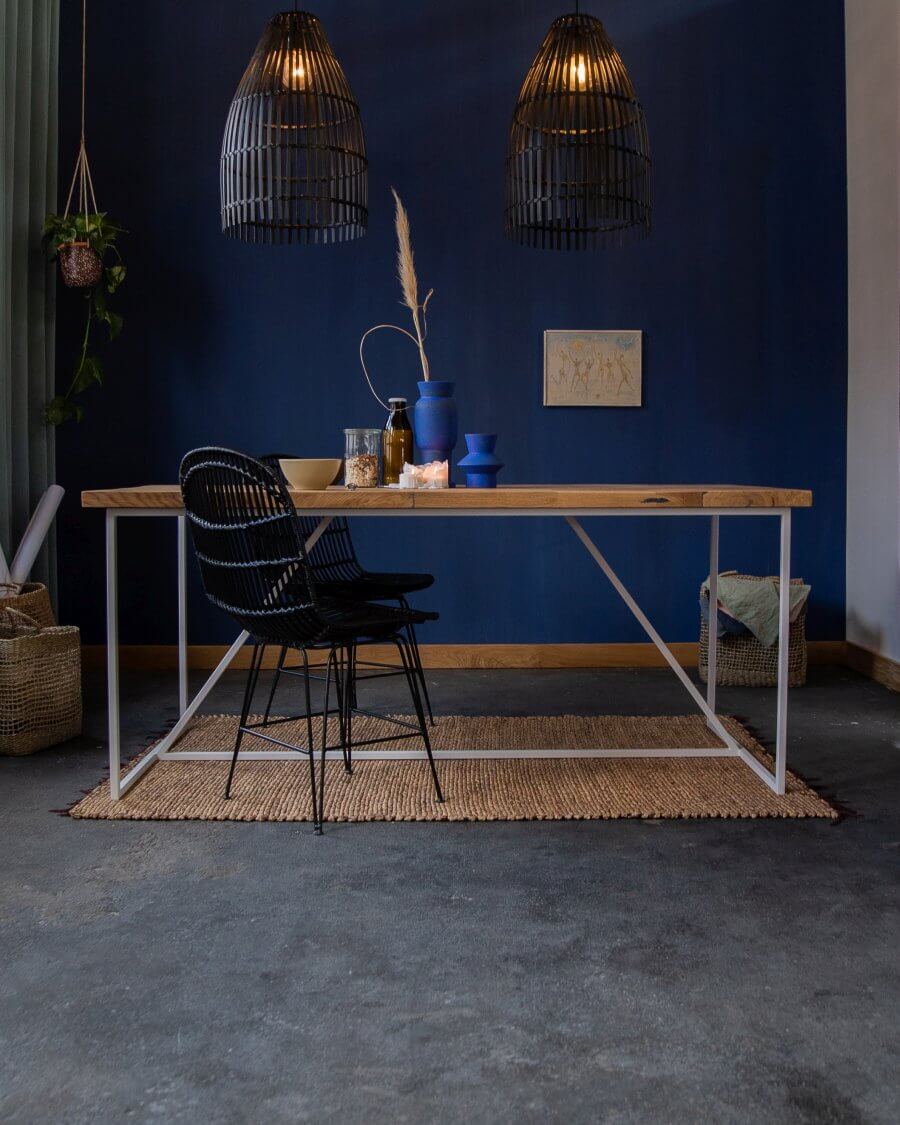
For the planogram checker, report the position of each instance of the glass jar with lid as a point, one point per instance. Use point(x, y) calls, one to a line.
point(362, 458)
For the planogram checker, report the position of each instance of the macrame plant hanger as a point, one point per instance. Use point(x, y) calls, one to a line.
point(80, 265)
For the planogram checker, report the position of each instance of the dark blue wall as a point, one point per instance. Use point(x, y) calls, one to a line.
point(740, 292)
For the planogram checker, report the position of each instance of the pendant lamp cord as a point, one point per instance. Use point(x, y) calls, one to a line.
point(82, 172)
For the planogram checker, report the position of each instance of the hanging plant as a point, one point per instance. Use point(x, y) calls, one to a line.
point(82, 240)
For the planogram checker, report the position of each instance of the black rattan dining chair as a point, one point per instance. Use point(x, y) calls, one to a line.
point(338, 573)
point(250, 547)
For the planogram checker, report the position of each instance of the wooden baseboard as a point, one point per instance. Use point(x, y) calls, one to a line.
point(165, 657)
point(875, 666)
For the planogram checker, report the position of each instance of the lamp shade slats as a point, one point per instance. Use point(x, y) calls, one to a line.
point(294, 162)
point(578, 162)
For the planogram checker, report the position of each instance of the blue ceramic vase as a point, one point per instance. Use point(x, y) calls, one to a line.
point(481, 464)
point(434, 421)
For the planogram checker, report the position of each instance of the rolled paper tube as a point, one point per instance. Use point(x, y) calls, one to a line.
point(36, 533)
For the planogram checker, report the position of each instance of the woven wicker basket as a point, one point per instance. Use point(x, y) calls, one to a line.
point(40, 684)
point(32, 600)
point(741, 661)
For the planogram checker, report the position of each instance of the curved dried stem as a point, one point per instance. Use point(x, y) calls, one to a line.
point(362, 359)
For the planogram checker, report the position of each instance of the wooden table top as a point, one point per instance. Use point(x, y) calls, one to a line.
point(503, 498)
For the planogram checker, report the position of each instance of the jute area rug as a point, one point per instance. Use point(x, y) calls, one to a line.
point(489, 789)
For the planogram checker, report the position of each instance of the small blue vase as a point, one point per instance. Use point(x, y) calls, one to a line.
point(481, 465)
point(435, 422)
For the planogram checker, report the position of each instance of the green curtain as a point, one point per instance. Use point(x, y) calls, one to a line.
point(29, 34)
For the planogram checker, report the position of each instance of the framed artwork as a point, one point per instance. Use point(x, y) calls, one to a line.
point(592, 368)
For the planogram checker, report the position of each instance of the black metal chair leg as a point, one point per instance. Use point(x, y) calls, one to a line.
point(354, 702)
point(249, 689)
point(311, 749)
point(310, 735)
point(411, 679)
point(417, 657)
point(317, 821)
point(332, 660)
point(321, 788)
point(341, 701)
point(349, 702)
point(277, 675)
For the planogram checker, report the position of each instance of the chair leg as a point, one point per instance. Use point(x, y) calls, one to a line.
point(339, 692)
point(311, 747)
point(249, 689)
point(417, 658)
point(354, 702)
point(310, 736)
point(277, 676)
point(333, 664)
point(316, 814)
point(349, 694)
point(412, 680)
point(321, 786)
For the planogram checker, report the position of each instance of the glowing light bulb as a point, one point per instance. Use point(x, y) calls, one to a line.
point(577, 73)
point(293, 72)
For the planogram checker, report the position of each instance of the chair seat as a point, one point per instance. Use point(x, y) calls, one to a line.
point(377, 586)
point(362, 620)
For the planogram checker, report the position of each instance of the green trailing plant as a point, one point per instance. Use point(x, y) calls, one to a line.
point(98, 234)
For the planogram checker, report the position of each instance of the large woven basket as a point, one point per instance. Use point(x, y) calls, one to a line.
point(40, 684)
point(32, 599)
point(741, 661)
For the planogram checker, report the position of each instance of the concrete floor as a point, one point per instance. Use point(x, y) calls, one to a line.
point(602, 971)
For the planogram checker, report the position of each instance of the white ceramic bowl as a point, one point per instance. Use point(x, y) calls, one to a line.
point(311, 472)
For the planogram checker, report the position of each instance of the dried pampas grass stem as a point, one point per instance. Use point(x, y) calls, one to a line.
point(409, 284)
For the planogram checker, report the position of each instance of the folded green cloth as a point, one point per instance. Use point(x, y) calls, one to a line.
point(755, 603)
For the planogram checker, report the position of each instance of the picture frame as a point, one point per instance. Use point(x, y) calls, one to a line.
point(593, 367)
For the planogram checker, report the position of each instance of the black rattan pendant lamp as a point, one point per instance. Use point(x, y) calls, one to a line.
point(294, 157)
point(578, 164)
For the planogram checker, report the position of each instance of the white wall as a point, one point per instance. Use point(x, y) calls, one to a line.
point(873, 411)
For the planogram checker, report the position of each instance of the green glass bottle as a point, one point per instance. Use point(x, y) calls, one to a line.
point(397, 441)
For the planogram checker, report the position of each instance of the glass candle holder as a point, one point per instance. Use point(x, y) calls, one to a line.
point(362, 458)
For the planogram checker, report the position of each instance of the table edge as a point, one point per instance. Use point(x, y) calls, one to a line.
point(549, 497)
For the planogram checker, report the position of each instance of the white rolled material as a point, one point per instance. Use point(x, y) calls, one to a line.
point(36, 533)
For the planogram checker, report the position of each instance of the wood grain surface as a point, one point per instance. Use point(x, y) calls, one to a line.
point(509, 498)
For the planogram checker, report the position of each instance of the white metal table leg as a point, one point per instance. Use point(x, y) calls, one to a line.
point(775, 781)
point(187, 709)
point(120, 786)
point(784, 636)
point(317, 533)
point(713, 630)
point(712, 720)
point(112, 654)
point(182, 616)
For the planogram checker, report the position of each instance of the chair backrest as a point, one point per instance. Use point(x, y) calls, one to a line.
point(249, 544)
point(332, 557)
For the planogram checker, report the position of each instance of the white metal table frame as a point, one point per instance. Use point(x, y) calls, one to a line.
point(163, 750)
